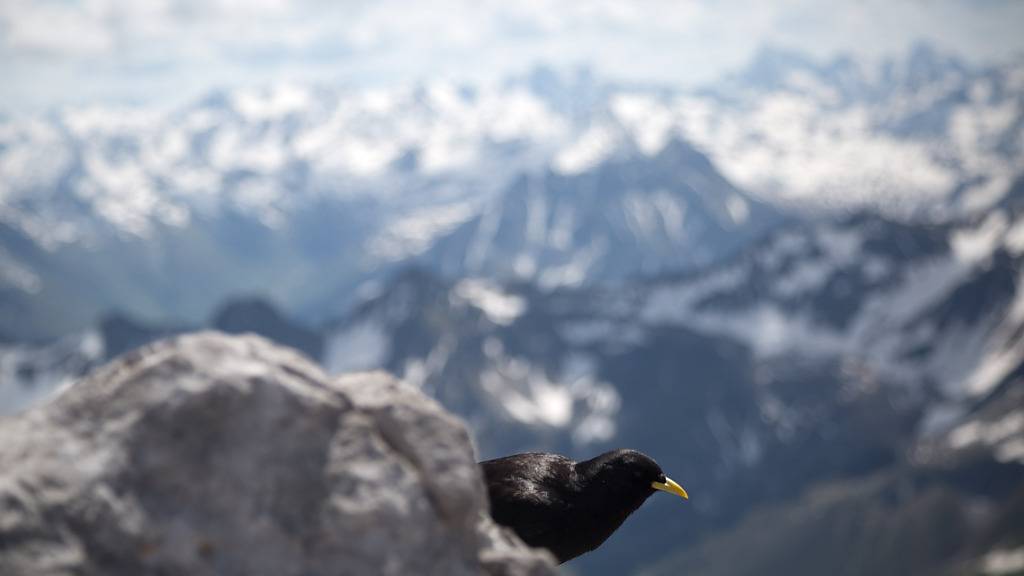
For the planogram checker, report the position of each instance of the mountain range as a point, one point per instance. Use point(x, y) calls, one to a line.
point(831, 364)
point(310, 194)
point(799, 289)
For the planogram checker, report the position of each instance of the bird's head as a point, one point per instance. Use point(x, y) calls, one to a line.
point(629, 474)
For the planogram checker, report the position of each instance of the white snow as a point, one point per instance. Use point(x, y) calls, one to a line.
point(841, 249)
point(988, 433)
point(499, 307)
point(967, 359)
point(592, 147)
point(650, 122)
point(971, 246)
point(1014, 239)
point(982, 196)
point(574, 271)
point(526, 394)
point(672, 301)
point(790, 147)
point(362, 346)
point(799, 146)
point(272, 104)
point(738, 209)
point(806, 276)
point(1002, 562)
point(415, 232)
point(1003, 353)
point(771, 332)
point(575, 399)
point(16, 275)
point(1011, 451)
point(602, 404)
point(145, 165)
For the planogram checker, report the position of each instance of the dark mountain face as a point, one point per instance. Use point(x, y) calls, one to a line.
point(120, 334)
point(787, 367)
point(634, 215)
point(31, 371)
point(178, 274)
point(795, 367)
point(257, 316)
point(906, 520)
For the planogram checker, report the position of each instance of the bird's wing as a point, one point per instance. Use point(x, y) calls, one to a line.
point(528, 492)
point(534, 517)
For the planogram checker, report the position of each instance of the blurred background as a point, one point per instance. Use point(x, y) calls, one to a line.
point(777, 246)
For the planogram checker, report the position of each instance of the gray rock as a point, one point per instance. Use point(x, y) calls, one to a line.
point(210, 454)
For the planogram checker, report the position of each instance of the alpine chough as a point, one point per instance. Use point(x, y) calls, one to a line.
point(570, 507)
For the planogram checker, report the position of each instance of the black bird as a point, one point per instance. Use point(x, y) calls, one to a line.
point(569, 507)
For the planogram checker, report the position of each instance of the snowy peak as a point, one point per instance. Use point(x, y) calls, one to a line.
point(775, 69)
point(262, 151)
point(902, 136)
point(633, 214)
point(123, 204)
point(845, 79)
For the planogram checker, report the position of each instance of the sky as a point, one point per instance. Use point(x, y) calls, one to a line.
point(73, 52)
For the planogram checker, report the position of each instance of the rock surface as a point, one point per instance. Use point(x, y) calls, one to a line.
point(211, 454)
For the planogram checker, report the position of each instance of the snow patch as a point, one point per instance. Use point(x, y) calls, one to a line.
point(1014, 239)
point(1003, 562)
point(592, 147)
point(16, 275)
point(971, 246)
point(1005, 351)
point(526, 394)
point(738, 209)
point(414, 233)
point(360, 347)
point(650, 123)
point(499, 307)
point(575, 271)
point(575, 399)
point(988, 433)
point(271, 104)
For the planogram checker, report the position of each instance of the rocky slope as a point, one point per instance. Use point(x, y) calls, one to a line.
point(210, 454)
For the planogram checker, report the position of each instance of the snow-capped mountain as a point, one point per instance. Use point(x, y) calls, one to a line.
point(632, 214)
point(307, 194)
point(900, 135)
point(104, 209)
point(933, 308)
point(831, 350)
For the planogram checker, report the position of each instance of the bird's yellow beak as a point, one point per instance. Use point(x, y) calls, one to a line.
point(671, 487)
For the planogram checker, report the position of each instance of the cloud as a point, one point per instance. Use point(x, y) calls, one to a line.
point(56, 51)
point(55, 28)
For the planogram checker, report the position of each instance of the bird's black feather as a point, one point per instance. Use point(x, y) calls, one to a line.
point(567, 507)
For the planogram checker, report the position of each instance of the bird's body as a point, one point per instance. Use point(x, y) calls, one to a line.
point(570, 507)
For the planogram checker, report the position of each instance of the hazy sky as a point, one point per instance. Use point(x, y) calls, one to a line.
point(55, 52)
